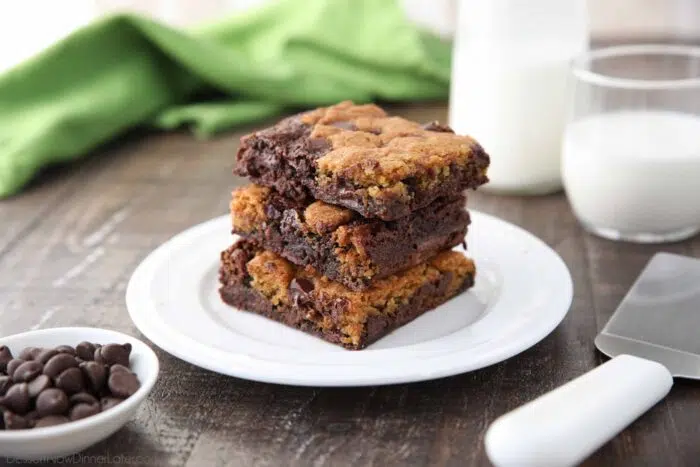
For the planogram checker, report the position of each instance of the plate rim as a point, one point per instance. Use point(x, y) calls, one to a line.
point(207, 357)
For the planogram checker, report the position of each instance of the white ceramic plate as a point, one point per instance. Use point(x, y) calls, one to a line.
point(522, 292)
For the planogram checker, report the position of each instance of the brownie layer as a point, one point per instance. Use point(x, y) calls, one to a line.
point(264, 283)
point(358, 157)
point(340, 244)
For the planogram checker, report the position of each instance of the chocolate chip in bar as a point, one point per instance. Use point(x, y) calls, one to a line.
point(299, 290)
point(437, 127)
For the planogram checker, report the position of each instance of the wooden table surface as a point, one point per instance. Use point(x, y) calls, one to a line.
point(69, 244)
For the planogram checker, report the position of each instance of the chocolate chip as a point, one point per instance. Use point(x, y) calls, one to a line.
point(299, 290)
point(85, 350)
point(114, 354)
point(345, 125)
point(71, 380)
point(51, 420)
point(38, 384)
point(84, 410)
point(304, 285)
point(27, 371)
point(83, 398)
point(17, 398)
point(123, 384)
point(108, 402)
point(97, 356)
point(117, 368)
point(52, 401)
point(12, 365)
point(58, 364)
point(5, 383)
point(28, 353)
point(318, 145)
point(14, 422)
point(437, 126)
point(45, 355)
point(32, 416)
point(66, 349)
point(95, 375)
point(5, 357)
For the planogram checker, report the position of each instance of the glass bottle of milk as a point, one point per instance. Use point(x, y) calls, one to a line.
point(509, 89)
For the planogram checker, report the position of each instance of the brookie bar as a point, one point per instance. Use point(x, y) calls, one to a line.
point(263, 282)
point(339, 243)
point(358, 157)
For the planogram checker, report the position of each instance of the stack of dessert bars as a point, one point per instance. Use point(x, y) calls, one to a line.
point(347, 229)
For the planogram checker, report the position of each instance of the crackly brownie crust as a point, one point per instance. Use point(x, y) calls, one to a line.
point(358, 157)
point(339, 243)
point(264, 283)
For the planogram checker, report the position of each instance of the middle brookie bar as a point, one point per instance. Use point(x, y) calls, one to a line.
point(339, 243)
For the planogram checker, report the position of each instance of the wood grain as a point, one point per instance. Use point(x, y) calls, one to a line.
point(69, 244)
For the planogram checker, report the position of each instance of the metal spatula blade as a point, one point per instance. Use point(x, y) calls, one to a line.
point(653, 334)
point(659, 318)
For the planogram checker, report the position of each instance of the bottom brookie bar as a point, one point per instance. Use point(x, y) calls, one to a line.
point(263, 282)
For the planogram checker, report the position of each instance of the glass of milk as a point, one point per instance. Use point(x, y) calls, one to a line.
point(511, 71)
point(631, 149)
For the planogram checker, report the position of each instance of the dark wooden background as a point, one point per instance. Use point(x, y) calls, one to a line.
point(68, 246)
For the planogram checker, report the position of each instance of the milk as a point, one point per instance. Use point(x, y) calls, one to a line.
point(509, 89)
point(635, 174)
point(516, 108)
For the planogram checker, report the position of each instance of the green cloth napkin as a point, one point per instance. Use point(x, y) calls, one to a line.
point(126, 70)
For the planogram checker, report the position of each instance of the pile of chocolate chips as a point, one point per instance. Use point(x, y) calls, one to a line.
point(43, 387)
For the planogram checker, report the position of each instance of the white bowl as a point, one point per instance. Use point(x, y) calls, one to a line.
point(70, 438)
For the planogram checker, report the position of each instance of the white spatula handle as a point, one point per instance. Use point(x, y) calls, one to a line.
point(565, 426)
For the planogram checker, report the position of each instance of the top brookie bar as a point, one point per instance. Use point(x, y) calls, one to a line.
point(341, 244)
point(358, 157)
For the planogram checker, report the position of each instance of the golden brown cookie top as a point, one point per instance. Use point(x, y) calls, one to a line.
point(371, 148)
